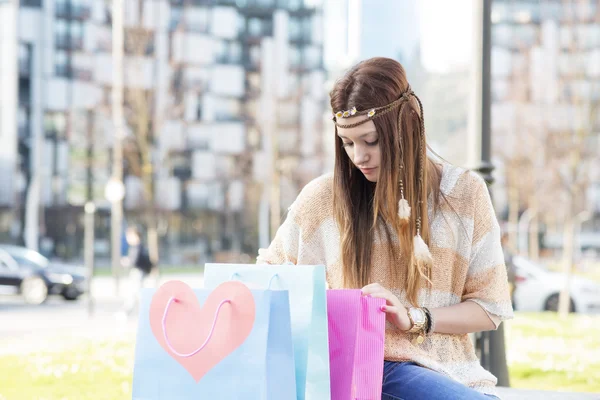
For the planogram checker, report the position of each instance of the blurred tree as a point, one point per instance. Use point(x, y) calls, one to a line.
point(145, 117)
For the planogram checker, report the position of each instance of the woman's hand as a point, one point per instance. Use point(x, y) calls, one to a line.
point(395, 312)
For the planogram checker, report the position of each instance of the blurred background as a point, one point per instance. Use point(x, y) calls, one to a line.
point(199, 121)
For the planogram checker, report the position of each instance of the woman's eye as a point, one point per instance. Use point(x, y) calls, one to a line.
point(373, 143)
point(347, 144)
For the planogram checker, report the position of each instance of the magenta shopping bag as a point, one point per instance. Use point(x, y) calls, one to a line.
point(356, 342)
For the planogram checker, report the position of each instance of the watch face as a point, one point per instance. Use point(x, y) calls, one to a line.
point(418, 315)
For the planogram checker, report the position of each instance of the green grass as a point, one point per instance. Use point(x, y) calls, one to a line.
point(98, 371)
point(544, 352)
point(164, 270)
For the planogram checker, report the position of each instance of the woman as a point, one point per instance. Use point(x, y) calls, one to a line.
point(403, 227)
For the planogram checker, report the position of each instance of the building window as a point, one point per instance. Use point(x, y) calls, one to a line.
point(80, 8)
point(61, 64)
point(24, 59)
point(255, 55)
point(294, 4)
point(176, 17)
point(228, 52)
point(55, 125)
point(261, 3)
point(24, 119)
point(199, 108)
point(72, 9)
point(197, 19)
point(76, 35)
point(295, 57)
point(312, 57)
point(61, 7)
point(260, 27)
point(227, 109)
point(254, 27)
point(300, 29)
point(25, 92)
point(31, 3)
point(69, 34)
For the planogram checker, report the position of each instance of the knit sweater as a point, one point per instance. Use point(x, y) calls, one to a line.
point(468, 265)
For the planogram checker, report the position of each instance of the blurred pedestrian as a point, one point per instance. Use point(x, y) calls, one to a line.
point(139, 264)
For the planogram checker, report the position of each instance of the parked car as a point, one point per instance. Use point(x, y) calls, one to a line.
point(35, 277)
point(538, 289)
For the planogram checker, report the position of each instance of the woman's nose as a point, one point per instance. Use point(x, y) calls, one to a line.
point(361, 155)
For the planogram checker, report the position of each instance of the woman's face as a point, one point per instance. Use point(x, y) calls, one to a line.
point(362, 145)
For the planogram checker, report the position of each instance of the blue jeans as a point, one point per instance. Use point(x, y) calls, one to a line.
point(409, 381)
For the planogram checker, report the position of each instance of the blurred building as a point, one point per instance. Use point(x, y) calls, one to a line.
point(205, 67)
point(546, 83)
point(9, 73)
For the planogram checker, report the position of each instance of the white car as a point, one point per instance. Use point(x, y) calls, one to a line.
point(537, 289)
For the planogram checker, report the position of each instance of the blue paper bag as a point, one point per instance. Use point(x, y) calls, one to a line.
point(308, 305)
point(227, 343)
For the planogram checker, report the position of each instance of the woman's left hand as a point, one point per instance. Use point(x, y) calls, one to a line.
point(395, 312)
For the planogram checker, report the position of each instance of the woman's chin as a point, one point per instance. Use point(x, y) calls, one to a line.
point(371, 175)
point(371, 178)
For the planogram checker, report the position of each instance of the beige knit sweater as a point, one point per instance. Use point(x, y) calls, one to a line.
point(468, 266)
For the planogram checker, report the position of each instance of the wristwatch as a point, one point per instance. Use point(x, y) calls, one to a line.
point(419, 320)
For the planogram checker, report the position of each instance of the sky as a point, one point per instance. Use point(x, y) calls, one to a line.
point(446, 34)
point(394, 28)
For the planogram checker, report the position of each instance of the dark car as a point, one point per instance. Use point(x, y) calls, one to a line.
point(35, 277)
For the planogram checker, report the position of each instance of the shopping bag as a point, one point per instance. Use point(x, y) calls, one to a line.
point(213, 344)
point(356, 345)
point(306, 286)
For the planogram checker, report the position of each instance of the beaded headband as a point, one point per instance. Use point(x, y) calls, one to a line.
point(371, 113)
point(421, 250)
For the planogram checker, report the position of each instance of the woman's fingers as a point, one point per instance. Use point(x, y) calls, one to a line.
point(389, 309)
point(372, 288)
point(387, 296)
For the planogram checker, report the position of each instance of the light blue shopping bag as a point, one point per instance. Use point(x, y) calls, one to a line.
point(170, 360)
point(308, 305)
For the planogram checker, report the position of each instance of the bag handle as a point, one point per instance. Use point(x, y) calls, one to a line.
point(270, 280)
point(212, 329)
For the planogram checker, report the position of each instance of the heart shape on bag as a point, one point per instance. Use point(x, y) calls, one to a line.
point(218, 327)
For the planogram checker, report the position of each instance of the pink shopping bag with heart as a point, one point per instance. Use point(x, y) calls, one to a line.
point(356, 344)
point(213, 344)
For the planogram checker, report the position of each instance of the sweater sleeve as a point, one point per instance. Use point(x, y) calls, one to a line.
point(487, 283)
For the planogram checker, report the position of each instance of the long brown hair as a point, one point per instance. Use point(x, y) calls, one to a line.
point(361, 207)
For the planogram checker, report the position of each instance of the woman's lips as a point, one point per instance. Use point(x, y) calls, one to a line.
point(367, 170)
